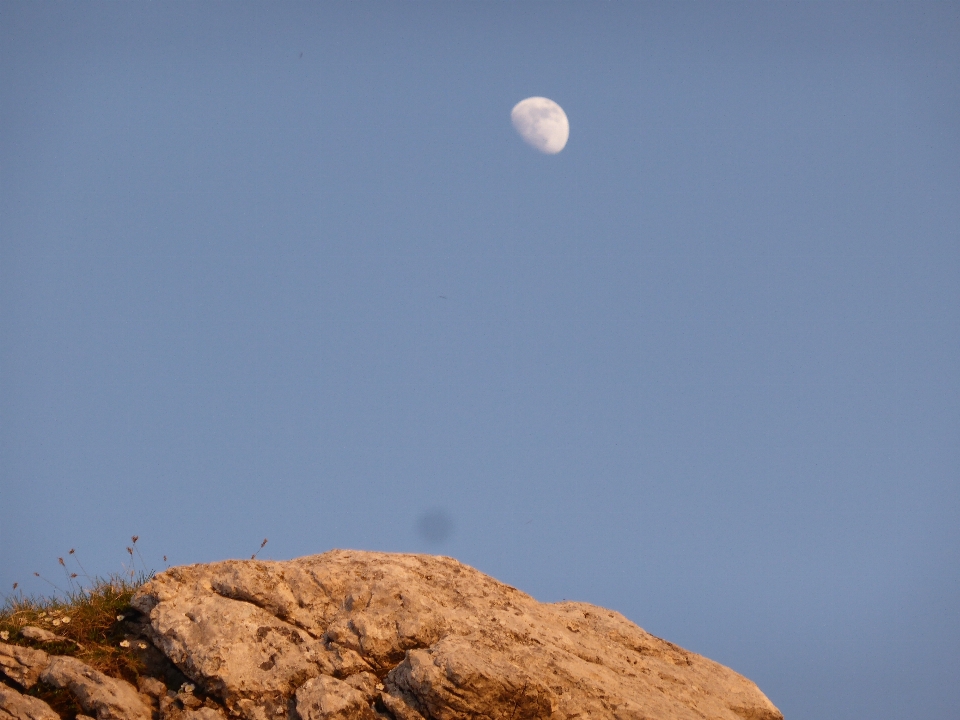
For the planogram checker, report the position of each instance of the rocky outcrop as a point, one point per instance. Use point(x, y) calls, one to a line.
point(109, 698)
point(373, 636)
point(326, 698)
point(23, 665)
point(15, 706)
point(356, 636)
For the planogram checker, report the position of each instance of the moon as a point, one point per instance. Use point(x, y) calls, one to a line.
point(541, 123)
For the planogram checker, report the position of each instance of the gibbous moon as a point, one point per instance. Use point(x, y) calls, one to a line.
point(541, 123)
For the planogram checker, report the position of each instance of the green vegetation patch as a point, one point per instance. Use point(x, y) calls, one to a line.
point(92, 625)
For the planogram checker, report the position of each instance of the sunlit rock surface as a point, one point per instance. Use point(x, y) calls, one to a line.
point(110, 698)
point(14, 706)
point(351, 634)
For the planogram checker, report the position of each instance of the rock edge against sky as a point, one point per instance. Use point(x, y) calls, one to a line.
point(360, 635)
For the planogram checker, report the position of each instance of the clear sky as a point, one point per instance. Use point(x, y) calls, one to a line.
point(286, 270)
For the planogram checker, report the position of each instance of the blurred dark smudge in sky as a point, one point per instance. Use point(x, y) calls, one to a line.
point(435, 526)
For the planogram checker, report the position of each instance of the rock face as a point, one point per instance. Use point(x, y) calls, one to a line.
point(14, 706)
point(326, 698)
point(109, 698)
point(358, 636)
point(22, 664)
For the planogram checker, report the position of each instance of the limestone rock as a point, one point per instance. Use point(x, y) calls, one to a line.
point(326, 698)
point(366, 683)
point(445, 642)
point(399, 706)
point(151, 686)
point(177, 706)
point(15, 706)
point(39, 634)
point(23, 665)
point(204, 713)
point(109, 698)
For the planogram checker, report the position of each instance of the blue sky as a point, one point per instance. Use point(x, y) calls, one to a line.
point(287, 271)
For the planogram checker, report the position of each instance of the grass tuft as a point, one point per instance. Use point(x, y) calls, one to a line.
point(93, 623)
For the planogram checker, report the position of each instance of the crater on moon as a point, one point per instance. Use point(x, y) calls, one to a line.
point(541, 123)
